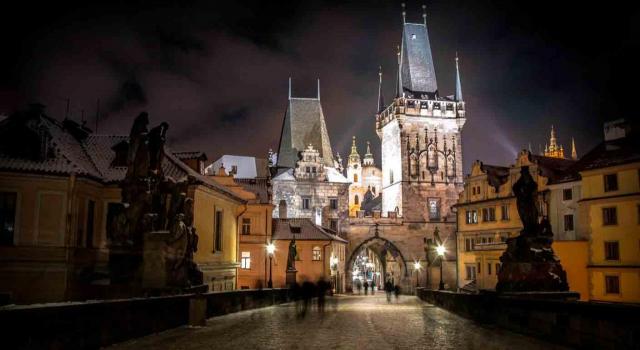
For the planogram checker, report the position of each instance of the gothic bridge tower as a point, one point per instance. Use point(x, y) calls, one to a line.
point(420, 136)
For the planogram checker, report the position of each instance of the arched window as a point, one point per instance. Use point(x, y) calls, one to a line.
point(355, 177)
point(317, 254)
point(432, 156)
point(356, 200)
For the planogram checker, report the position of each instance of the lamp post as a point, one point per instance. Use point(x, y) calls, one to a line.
point(441, 250)
point(271, 248)
point(333, 263)
point(417, 267)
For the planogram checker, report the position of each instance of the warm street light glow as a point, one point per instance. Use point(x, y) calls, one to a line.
point(416, 265)
point(440, 250)
point(333, 261)
point(271, 248)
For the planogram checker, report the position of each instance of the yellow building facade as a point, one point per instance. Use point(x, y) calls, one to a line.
point(611, 208)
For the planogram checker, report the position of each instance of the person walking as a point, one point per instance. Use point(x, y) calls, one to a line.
point(359, 286)
point(396, 291)
point(388, 289)
point(366, 288)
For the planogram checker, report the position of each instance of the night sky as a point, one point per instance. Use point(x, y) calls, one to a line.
point(217, 73)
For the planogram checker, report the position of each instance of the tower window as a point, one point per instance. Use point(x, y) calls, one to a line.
point(355, 177)
point(413, 36)
point(306, 202)
point(390, 176)
point(567, 194)
point(356, 200)
point(333, 203)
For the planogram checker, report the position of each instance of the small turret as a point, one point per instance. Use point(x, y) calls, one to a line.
point(368, 157)
point(354, 157)
point(458, 96)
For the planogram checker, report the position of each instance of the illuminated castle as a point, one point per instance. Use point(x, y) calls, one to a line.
point(554, 150)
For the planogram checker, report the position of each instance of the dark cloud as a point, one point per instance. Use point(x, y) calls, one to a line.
point(217, 72)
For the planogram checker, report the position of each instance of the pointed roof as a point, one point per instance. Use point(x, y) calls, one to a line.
point(574, 152)
point(368, 157)
point(417, 72)
point(458, 96)
point(303, 125)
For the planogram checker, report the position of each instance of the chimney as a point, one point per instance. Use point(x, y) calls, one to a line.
point(615, 129)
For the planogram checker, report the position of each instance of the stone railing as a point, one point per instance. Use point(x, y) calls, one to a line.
point(419, 108)
point(578, 324)
point(94, 324)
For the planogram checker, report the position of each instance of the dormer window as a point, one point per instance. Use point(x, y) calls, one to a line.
point(413, 36)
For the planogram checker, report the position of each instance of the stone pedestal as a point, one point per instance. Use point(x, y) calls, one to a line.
point(291, 277)
point(529, 265)
point(198, 311)
point(154, 270)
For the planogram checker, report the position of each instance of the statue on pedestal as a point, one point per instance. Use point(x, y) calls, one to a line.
point(529, 263)
point(156, 225)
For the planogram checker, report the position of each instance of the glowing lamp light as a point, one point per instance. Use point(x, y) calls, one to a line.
point(271, 248)
point(416, 265)
point(333, 260)
point(440, 250)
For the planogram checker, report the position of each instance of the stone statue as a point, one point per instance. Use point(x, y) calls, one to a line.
point(157, 213)
point(526, 190)
point(293, 254)
point(528, 263)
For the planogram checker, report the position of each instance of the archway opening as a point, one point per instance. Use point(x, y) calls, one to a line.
point(375, 261)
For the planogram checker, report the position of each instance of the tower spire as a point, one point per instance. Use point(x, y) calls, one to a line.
point(458, 96)
point(318, 89)
point(574, 153)
point(380, 99)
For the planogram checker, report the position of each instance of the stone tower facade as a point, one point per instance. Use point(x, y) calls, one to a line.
point(420, 136)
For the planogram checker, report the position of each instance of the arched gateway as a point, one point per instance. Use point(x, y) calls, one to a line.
point(375, 259)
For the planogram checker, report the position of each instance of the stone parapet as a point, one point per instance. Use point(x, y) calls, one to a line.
point(573, 323)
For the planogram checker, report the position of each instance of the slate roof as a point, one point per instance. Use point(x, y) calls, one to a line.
point(258, 186)
point(555, 169)
point(282, 229)
point(190, 155)
point(417, 72)
point(611, 153)
point(92, 157)
point(303, 124)
point(496, 175)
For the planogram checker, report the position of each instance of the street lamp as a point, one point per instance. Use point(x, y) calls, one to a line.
point(441, 250)
point(333, 264)
point(417, 267)
point(271, 248)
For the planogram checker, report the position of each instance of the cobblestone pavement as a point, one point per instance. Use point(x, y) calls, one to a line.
point(352, 322)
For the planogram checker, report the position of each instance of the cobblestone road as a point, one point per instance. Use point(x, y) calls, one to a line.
point(354, 322)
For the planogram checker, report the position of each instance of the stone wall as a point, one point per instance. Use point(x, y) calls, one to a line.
point(100, 323)
point(573, 323)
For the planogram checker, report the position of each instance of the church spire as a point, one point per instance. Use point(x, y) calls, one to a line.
point(380, 98)
point(458, 96)
point(354, 157)
point(574, 153)
point(552, 140)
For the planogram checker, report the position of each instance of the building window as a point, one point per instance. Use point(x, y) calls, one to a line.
point(390, 177)
point(488, 268)
point(314, 170)
point(479, 271)
point(317, 254)
point(307, 170)
point(609, 216)
point(356, 200)
point(245, 262)
point(234, 169)
point(217, 231)
point(568, 222)
point(489, 214)
point(115, 218)
point(91, 210)
point(468, 244)
point(246, 226)
point(306, 202)
point(8, 203)
point(567, 194)
point(610, 182)
point(333, 224)
point(473, 190)
point(504, 210)
point(471, 272)
point(612, 284)
point(612, 250)
point(333, 203)
point(355, 177)
point(472, 216)
point(434, 208)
